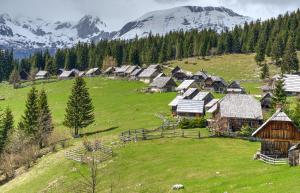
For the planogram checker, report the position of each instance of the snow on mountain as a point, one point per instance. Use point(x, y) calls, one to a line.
point(30, 33)
point(26, 33)
point(182, 18)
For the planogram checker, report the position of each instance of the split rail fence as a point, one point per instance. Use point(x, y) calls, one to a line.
point(273, 161)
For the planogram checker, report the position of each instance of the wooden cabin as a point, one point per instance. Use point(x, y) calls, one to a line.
point(190, 108)
point(134, 75)
point(42, 75)
point(67, 74)
point(93, 72)
point(130, 70)
point(185, 85)
point(148, 75)
point(190, 93)
point(235, 88)
point(180, 75)
point(163, 84)
point(109, 71)
point(121, 70)
point(200, 76)
point(204, 96)
point(278, 135)
point(235, 111)
point(173, 104)
point(294, 155)
point(266, 101)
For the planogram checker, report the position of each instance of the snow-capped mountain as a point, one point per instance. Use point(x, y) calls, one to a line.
point(182, 18)
point(30, 33)
point(24, 33)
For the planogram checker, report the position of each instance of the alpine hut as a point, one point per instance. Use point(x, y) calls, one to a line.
point(204, 96)
point(93, 72)
point(185, 85)
point(235, 111)
point(190, 108)
point(42, 75)
point(235, 88)
point(173, 104)
point(190, 93)
point(163, 84)
point(266, 101)
point(278, 134)
point(148, 74)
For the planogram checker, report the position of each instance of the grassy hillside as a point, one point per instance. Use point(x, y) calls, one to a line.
point(118, 104)
point(230, 67)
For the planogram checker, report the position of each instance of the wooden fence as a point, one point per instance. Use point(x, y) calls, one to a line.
point(270, 160)
point(144, 134)
point(100, 154)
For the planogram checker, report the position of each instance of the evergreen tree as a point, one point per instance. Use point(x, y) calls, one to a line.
point(50, 66)
point(179, 50)
point(260, 50)
point(290, 60)
point(15, 78)
point(45, 126)
point(79, 111)
point(6, 128)
point(279, 95)
point(277, 50)
point(265, 71)
point(29, 123)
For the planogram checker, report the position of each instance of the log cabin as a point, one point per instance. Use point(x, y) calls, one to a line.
point(149, 74)
point(235, 111)
point(266, 101)
point(190, 108)
point(93, 72)
point(163, 84)
point(204, 96)
point(200, 76)
point(185, 85)
point(173, 104)
point(278, 135)
point(235, 88)
point(42, 75)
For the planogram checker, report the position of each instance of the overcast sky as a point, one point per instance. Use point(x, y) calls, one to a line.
point(117, 12)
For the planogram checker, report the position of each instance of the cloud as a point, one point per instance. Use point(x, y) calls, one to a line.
point(118, 12)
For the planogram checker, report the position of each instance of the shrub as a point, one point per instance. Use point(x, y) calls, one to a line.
point(192, 123)
point(246, 131)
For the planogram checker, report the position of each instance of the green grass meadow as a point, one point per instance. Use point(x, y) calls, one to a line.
point(209, 165)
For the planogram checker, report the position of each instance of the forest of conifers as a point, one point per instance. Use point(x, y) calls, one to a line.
point(266, 38)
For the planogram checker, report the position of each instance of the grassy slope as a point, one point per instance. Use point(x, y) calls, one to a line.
point(155, 165)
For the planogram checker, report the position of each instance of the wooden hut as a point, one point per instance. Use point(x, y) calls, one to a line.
point(163, 84)
point(185, 85)
point(235, 88)
point(219, 85)
point(190, 108)
point(173, 104)
point(190, 93)
point(204, 96)
point(67, 74)
point(278, 135)
point(180, 75)
point(235, 111)
point(109, 71)
point(266, 101)
point(294, 155)
point(93, 72)
point(134, 75)
point(148, 75)
point(200, 76)
point(130, 70)
point(42, 74)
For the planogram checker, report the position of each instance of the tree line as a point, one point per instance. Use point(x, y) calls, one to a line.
point(277, 38)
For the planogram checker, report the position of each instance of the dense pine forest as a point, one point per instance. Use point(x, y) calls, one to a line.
point(278, 38)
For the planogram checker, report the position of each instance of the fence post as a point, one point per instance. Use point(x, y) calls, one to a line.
point(143, 133)
point(199, 135)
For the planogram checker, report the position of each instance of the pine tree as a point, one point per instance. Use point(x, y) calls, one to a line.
point(265, 71)
point(290, 60)
point(6, 128)
point(50, 66)
point(260, 50)
point(277, 50)
point(14, 78)
point(45, 126)
point(29, 121)
point(179, 50)
point(279, 95)
point(79, 111)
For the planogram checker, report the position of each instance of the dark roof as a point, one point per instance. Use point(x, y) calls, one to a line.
point(161, 82)
point(190, 92)
point(234, 84)
point(240, 106)
point(267, 95)
point(218, 79)
point(176, 69)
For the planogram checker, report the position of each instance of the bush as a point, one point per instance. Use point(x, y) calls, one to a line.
point(246, 131)
point(192, 123)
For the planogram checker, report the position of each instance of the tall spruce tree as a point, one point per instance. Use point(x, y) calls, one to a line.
point(279, 95)
point(79, 111)
point(265, 71)
point(29, 122)
point(290, 62)
point(6, 128)
point(45, 125)
point(260, 49)
point(277, 50)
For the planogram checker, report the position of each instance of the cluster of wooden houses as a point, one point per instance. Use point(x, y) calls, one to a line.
point(67, 74)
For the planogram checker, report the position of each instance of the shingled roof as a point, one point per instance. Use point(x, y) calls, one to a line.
point(162, 82)
point(190, 92)
point(240, 106)
point(279, 115)
point(136, 72)
point(174, 102)
point(130, 69)
point(147, 73)
point(185, 85)
point(190, 106)
point(201, 96)
point(291, 83)
point(91, 71)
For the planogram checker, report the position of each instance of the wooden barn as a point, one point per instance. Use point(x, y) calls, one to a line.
point(190, 108)
point(67, 74)
point(266, 101)
point(219, 85)
point(235, 111)
point(278, 135)
point(180, 75)
point(163, 84)
point(235, 88)
point(109, 71)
